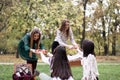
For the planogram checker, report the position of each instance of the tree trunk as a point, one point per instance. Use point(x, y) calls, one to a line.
point(84, 23)
point(104, 38)
point(113, 47)
point(114, 41)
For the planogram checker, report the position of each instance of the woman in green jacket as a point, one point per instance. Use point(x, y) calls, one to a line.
point(28, 47)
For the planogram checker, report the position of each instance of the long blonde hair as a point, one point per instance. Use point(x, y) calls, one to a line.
point(34, 31)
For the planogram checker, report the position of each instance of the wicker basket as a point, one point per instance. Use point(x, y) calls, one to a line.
point(23, 67)
point(22, 72)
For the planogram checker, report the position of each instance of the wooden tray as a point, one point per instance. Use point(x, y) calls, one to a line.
point(75, 63)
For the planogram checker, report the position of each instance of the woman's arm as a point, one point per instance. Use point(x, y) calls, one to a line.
point(45, 59)
point(72, 37)
point(79, 55)
point(49, 54)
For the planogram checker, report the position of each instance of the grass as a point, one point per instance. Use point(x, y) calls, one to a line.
point(108, 66)
point(108, 71)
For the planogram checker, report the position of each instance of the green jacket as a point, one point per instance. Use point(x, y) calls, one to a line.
point(24, 48)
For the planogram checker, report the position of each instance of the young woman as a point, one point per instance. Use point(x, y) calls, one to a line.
point(88, 60)
point(63, 34)
point(28, 45)
point(90, 70)
point(59, 65)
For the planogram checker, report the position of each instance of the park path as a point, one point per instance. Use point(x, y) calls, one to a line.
point(5, 63)
point(102, 60)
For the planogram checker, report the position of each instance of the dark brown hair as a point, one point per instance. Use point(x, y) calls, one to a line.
point(88, 48)
point(60, 64)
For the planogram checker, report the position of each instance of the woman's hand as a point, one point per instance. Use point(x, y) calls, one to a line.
point(76, 47)
point(44, 51)
point(33, 50)
point(38, 51)
point(73, 47)
point(70, 46)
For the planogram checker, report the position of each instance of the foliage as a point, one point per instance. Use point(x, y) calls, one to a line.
point(22, 16)
point(19, 16)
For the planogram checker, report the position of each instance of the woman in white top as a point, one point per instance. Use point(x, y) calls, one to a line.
point(59, 65)
point(63, 34)
point(88, 60)
point(90, 70)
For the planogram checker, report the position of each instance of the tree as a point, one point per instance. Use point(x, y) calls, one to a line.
point(84, 23)
point(115, 17)
point(104, 29)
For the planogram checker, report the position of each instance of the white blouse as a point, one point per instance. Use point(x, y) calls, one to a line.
point(48, 61)
point(90, 70)
point(62, 38)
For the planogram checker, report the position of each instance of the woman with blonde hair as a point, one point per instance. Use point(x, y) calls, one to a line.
point(28, 47)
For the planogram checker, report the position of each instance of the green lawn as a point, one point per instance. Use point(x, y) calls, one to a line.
point(108, 71)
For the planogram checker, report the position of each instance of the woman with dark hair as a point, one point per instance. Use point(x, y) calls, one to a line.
point(59, 65)
point(28, 47)
point(63, 34)
point(90, 70)
point(88, 60)
point(88, 48)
